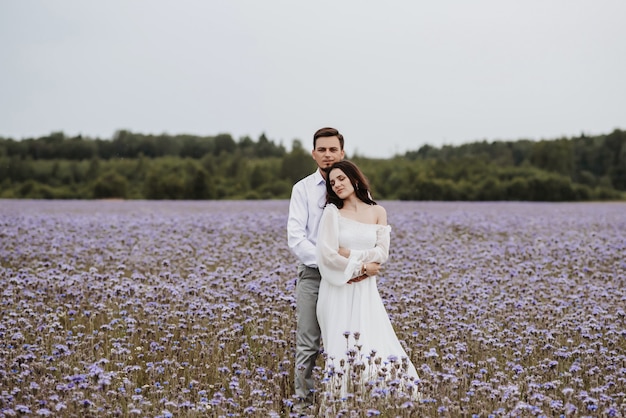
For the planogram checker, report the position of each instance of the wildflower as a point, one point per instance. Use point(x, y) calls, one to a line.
point(23, 409)
point(431, 353)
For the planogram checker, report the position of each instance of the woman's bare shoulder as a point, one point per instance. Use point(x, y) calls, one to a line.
point(381, 214)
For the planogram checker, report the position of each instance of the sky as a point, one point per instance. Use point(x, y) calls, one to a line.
point(392, 76)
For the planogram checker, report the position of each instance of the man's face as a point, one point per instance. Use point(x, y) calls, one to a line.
point(327, 151)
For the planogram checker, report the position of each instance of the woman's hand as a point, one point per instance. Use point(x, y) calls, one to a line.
point(370, 269)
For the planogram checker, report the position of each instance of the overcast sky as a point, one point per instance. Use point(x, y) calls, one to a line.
point(391, 75)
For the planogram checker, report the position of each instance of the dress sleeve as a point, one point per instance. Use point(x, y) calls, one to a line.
point(380, 252)
point(335, 268)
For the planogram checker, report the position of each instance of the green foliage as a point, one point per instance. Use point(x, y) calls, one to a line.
point(429, 189)
point(126, 144)
point(136, 166)
point(174, 178)
point(296, 165)
point(110, 185)
point(278, 189)
point(32, 189)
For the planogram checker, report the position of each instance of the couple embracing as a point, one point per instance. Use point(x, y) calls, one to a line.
point(341, 238)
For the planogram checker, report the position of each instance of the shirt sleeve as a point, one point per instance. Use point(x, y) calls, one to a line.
point(335, 268)
point(297, 239)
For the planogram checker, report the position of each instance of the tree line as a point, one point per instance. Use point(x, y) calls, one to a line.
point(138, 166)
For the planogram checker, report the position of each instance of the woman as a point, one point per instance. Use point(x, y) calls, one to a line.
point(359, 342)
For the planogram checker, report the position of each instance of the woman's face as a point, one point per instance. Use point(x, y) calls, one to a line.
point(340, 183)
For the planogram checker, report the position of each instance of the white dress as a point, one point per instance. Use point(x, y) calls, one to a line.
point(345, 309)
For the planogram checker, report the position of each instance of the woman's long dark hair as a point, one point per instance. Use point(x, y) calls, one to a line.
point(358, 180)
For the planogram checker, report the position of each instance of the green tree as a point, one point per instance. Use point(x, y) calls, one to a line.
point(489, 189)
point(259, 177)
point(198, 185)
point(517, 189)
point(110, 185)
point(297, 164)
point(224, 143)
point(94, 169)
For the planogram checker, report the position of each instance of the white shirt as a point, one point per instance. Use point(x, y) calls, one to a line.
point(308, 198)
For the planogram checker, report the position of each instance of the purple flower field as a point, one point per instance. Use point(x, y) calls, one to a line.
point(186, 309)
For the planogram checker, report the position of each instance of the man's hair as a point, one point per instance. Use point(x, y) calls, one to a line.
point(326, 132)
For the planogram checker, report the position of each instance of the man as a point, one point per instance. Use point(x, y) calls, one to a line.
point(308, 198)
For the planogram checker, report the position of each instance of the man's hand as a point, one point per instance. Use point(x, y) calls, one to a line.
point(358, 278)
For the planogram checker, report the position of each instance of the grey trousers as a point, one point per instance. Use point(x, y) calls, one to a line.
point(307, 332)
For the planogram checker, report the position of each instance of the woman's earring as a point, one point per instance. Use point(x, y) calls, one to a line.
point(357, 186)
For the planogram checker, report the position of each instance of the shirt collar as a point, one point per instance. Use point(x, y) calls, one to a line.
point(319, 179)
